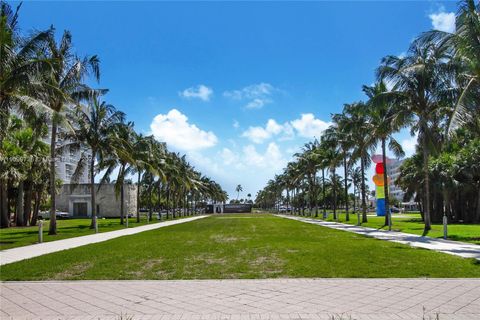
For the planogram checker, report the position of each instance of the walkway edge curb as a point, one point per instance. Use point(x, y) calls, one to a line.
point(35, 250)
point(456, 248)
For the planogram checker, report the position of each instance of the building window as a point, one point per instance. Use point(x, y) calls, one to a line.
point(68, 171)
point(72, 152)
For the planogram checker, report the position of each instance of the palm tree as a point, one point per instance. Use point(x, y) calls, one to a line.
point(339, 133)
point(238, 189)
point(333, 155)
point(95, 127)
point(308, 163)
point(20, 66)
point(143, 149)
point(385, 120)
point(323, 164)
point(464, 46)
point(65, 87)
point(356, 175)
point(359, 132)
point(122, 157)
point(422, 85)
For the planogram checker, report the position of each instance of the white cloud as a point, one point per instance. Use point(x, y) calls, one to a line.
point(228, 156)
point(201, 92)
point(308, 126)
point(236, 124)
point(271, 159)
point(409, 145)
point(257, 103)
point(257, 95)
point(174, 129)
point(443, 21)
point(260, 134)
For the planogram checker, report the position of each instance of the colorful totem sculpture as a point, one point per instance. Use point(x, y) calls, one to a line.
point(379, 181)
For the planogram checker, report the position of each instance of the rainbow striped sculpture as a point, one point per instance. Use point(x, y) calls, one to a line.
point(378, 180)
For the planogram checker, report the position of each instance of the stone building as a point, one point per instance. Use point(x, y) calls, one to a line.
point(76, 200)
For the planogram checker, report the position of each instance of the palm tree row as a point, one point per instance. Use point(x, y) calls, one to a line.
point(434, 90)
point(43, 94)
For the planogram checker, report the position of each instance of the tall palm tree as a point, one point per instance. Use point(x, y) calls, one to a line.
point(238, 189)
point(385, 120)
point(422, 84)
point(307, 161)
point(94, 128)
point(20, 69)
point(323, 164)
point(143, 149)
point(121, 157)
point(65, 88)
point(20, 66)
point(464, 45)
point(356, 175)
point(339, 133)
point(333, 155)
point(359, 132)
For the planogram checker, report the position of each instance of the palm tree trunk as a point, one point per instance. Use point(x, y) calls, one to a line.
point(168, 199)
point(53, 216)
point(334, 185)
point(36, 208)
point(138, 196)
point(477, 215)
point(355, 202)
point(92, 191)
point(19, 205)
point(174, 202)
point(323, 191)
point(364, 203)
point(27, 205)
point(4, 216)
point(347, 216)
point(426, 205)
point(150, 204)
point(388, 218)
point(122, 205)
point(161, 205)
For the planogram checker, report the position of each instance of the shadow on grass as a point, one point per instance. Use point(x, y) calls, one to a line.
point(463, 238)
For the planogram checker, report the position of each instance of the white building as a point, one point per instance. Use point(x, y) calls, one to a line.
point(66, 162)
point(393, 171)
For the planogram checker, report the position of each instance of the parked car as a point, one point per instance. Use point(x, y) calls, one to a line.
point(394, 210)
point(62, 215)
point(282, 209)
point(59, 214)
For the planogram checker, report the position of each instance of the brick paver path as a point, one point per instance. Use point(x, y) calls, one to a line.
point(457, 248)
point(380, 299)
point(35, 250)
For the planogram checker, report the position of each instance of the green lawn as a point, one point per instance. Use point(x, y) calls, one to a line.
point(241, 246)
point(412, 223)
point(22, 236)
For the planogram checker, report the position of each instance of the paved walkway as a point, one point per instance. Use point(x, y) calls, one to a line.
point(380, 299)
point(457, 248)
point(35, 250)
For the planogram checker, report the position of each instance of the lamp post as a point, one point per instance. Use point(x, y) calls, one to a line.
point(40, 231)
point(445, 227)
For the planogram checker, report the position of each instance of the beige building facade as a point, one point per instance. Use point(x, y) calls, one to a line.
point(76, 200)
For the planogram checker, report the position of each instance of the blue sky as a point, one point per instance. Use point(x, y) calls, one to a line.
point(238, 87)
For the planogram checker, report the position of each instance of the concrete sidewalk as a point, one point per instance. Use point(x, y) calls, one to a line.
point(457, 248)
point(360, 299)
point(35, 250)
